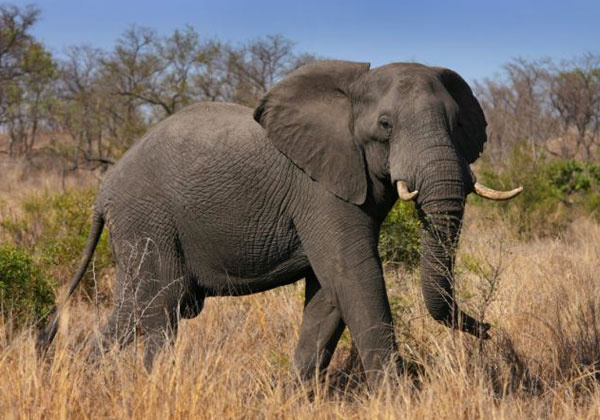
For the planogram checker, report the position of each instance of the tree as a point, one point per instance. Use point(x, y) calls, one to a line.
point(181, 55)
point(575, 95)
point(27, 71)
point(214, 80)
point(15, 40)
point(517, 108)
point(130, 68)
point(80, 111)
point(30, 99)
point(258, 65)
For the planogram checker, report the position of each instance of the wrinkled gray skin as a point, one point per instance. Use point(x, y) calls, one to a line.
point(217, 200)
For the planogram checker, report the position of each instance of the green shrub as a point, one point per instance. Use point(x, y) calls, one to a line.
point(26, 294)
point(53, 228)
point(591, 205)
point(399, 240)
point(554, 192)
point(571, 176)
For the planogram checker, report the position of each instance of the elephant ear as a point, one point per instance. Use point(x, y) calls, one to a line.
point(308, 117)
point(470, 133)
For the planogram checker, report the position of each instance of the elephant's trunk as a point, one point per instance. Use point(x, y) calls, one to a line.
point(439, 237)
point(444, 180)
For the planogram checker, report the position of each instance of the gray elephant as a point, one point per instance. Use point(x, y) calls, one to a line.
point(218, 200)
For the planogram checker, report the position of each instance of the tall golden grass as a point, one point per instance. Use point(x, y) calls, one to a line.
point(234, 359)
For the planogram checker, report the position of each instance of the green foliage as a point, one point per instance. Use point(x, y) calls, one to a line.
point(54, 229)
point(571, 176)
point(26, 293)
point(399, 241)
point(554, 192)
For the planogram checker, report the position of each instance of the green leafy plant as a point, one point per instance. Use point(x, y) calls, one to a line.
point(26, 293)
point(554, 192)
point(571, 176)
point(399, 239)
point(53, 229)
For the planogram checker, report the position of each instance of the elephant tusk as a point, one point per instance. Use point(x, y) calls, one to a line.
point(403, 192)
point(491, 194)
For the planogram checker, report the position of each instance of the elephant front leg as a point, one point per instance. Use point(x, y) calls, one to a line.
point(343, 254)
point(322, 326)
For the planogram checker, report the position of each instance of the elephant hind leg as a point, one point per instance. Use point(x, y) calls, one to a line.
point(120, 327)
point(152, 294)
point(159, 322)
point(158, 330)
point(159, 326)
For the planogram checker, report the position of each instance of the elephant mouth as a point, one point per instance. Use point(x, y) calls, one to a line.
point(481, 190)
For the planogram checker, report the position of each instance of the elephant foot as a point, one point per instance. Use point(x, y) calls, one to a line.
point(352, 377)
point(472, 326)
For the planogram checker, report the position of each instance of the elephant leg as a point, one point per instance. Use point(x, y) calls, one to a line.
point(159, 329)
point(120, 327)
point(322, 326)
point(161, 311)
point(341, 245)
point(365, 309)
point(159, 323)
point(151, 288)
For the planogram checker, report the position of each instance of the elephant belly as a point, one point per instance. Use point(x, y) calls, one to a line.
point(238, 257)
point(228, 284)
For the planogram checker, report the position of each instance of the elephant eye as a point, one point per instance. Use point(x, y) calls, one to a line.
point(385, 123)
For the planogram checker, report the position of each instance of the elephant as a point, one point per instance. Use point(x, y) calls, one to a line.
point(222, 200)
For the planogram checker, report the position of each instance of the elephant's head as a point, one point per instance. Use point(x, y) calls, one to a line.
point(407, 127)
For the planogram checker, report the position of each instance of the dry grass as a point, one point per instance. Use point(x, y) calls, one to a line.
point(233, 361)
point(20, 179)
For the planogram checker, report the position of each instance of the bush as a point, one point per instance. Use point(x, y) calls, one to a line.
point(53, 228)
point(399, 240)
point(26, 294)
point(554, 193)
point(571, 176)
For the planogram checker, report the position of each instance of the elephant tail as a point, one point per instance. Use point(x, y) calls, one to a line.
point(46, 336)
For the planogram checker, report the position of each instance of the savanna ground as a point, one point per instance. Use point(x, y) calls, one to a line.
point(234, 360)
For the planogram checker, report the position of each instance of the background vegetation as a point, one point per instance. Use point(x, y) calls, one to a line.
point(528, 266)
